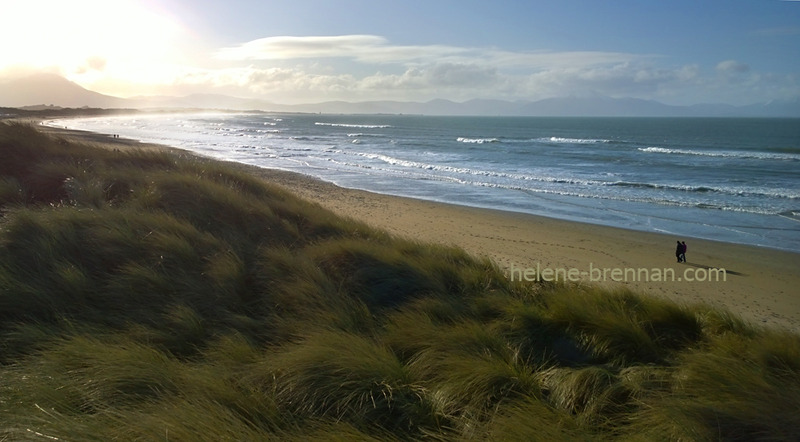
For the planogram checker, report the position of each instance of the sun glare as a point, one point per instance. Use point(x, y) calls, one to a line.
point(84, 38)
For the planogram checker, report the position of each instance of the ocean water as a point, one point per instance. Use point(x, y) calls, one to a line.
point(733, 180)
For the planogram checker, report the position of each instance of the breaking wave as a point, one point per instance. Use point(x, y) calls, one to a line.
point(562, 140)
point(723, 153)
point(477, 140)
point(357, 126)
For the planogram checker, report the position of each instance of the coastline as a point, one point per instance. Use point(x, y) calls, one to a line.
point(760, 283)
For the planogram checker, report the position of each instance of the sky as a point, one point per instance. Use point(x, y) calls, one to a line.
point(678, 52)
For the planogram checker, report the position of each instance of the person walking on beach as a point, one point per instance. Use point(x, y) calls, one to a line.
point(678, 251)
point(683, 251)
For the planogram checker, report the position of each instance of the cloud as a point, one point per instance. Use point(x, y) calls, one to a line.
point(618, 80)
point(368, 67)
point(554, 60)
point(278, 48)
point(374, 49)
point(455, 81)
point(364, 48)
point(424, 71)
point(441, 76)
point(461, 75)
point(416, 72)
point(94, 63)
point(732, 66)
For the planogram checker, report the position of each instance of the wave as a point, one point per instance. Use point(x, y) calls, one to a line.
point(735, 191)
point(359, 134)
point(477, 140)
point(477, 172)
point(566, 191)
point(723, 154)
point(701, 189)
point(793, 215)
point(551, 140)
point(562, 140)
point(357, 126)
point(746, 192)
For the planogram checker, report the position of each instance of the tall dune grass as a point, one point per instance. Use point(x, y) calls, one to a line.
point(150, 295)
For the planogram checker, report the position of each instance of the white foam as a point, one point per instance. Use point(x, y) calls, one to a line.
point(723, 154)
point(362, 126)
point(477, 140)
point(361, 134)
point(562, 140)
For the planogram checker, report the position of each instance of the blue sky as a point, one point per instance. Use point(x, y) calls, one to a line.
point(678, 52)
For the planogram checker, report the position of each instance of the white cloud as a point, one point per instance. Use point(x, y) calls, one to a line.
point(378, 50)
point(92, 64)
point(286, 47)
point(438, 80)
point(363, 48)
point(732, 66)
point(551, 60)
point(420, 72)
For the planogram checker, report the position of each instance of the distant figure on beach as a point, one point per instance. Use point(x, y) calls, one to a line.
point(678, 251)
point(683, 251)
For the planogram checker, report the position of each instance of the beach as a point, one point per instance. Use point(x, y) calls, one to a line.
point(758, 284)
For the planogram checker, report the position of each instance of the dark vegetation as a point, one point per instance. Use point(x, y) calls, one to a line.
point(146, 295)
point(50, 111)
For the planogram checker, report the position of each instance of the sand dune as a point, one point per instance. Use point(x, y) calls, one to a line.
point(762, 285)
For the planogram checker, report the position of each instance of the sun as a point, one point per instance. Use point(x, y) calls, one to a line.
point(86, 39)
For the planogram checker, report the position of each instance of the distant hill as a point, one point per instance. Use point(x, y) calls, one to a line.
point(53, 90)
point(47, 90)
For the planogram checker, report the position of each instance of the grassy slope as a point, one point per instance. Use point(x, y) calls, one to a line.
point(145, 295)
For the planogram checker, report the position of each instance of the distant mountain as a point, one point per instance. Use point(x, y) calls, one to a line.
point(774, 108)
point(53, 90)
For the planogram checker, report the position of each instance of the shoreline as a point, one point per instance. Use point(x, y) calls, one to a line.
point(760, 282)
point(618, 199)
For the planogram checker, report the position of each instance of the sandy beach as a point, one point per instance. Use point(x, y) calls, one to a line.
point(759, 284)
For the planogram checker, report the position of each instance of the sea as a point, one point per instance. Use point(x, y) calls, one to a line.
point(727, 179)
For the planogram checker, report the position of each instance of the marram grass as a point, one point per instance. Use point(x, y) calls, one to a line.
point(150, 295)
